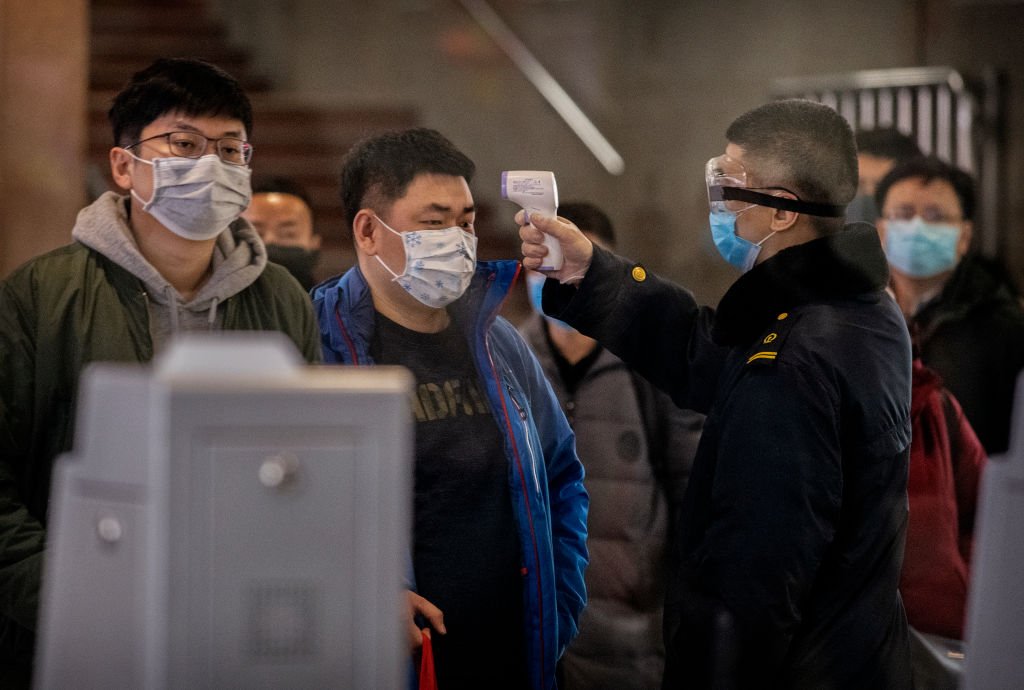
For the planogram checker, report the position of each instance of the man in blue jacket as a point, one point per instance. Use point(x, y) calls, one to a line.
point(499, 533)
point(792, 528)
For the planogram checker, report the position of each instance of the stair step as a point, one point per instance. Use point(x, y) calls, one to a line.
point(111, 74)
point(295, 136)
point(184, 19)
point(301, 132)
point(146, 44)
point(290, 125)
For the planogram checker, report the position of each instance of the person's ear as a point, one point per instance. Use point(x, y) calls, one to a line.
point(964, 243)
point(120, 167)
point(880, 226)
point(364, 233)
point(783, 220)
point(315, 241)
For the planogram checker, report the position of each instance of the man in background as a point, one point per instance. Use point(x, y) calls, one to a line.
point(963, 309)
point(877, 151)
point(281, 212)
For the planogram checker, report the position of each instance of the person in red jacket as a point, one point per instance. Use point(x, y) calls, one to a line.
point(946, 461)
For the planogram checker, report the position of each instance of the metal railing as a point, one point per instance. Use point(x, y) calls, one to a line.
point(949, 116)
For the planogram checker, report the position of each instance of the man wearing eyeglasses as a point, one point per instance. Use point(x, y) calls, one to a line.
point(170, 255)
point(965, 310)
point(792, 528)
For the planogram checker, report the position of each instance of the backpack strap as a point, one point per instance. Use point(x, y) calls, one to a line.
point(657, 449)
point(952, 426)
point(649, 419)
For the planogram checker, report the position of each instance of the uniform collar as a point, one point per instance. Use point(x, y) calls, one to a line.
point(848, 263)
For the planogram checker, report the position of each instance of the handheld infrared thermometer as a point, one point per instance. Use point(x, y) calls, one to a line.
point(535, 192)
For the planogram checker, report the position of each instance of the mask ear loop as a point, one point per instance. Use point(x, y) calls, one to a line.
point(152, 196)
point(394, 276)
point(770, 235)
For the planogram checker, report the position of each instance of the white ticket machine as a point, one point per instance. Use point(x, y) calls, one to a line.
point(230, 518)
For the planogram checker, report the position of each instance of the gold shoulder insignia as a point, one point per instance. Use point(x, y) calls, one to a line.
point(766, 349)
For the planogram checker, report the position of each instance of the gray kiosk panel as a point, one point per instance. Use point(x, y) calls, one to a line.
point(995, 611)
point(262, 543)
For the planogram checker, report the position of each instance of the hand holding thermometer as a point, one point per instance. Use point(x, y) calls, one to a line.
point(535, 192)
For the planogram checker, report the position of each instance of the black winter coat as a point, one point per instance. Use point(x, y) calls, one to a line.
point(637, 448)
point(972, 334)
point(795, 516)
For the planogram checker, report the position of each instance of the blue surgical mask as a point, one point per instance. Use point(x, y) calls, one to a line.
point(737, 251)
point(535, 289)
point(920, 249)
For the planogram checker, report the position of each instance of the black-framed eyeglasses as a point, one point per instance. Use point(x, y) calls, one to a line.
point(231, 150)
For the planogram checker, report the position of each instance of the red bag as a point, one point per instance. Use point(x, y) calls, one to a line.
point(428, 679)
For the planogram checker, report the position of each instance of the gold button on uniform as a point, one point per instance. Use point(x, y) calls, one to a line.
point(639, 274)
point(781, 316)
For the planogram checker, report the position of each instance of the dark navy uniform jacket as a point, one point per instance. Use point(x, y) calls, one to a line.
point(794, 519)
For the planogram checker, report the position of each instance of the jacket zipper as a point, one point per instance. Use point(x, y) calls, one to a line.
point(529, 446)
point(526, 501)
point(344, 334)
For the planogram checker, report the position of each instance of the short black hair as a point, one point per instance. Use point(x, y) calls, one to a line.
point(927, 169)
point(377, 170)
point(887, 142)
point(281, 185)
point(590, 219)
point(804, 146)
point(190, 86)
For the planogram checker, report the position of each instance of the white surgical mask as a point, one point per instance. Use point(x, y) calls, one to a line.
point(197, 198)
point(438, 264)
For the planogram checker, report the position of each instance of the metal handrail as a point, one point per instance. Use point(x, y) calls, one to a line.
point(546, 84)
point(873, 79)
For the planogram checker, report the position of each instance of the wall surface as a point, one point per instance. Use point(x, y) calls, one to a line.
point(43, 66)
point(660, 78)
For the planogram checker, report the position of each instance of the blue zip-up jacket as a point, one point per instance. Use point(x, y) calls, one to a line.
point(546, 477)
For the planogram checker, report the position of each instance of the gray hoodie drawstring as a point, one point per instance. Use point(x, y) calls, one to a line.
point(212, 318)
point(172, 305)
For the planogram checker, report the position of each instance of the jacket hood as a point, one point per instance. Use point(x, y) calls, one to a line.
point(239, 256)
point(846, 264)
point(925, 382)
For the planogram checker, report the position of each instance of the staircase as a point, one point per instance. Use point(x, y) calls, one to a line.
point(291, 138)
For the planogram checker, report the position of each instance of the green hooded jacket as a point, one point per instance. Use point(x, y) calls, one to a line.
point(76, 305)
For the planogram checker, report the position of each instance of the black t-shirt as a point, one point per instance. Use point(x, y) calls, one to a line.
point(466, 551)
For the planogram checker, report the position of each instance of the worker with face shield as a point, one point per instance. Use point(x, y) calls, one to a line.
point(792, 529)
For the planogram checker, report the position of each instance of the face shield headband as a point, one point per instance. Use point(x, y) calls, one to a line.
point(734, 189)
